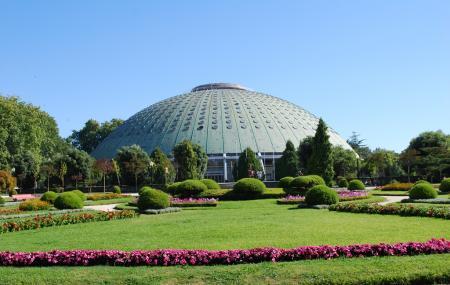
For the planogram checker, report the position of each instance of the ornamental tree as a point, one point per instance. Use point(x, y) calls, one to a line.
point(134, 163)
point(247, 166)
point(287, 164)
point(321, 161)
point(161, 168)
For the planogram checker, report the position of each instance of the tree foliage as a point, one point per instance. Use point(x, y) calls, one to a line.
point(383, 163)
point(304, 153)
point(345, 162)
point(321, 161)
point(161, 168)
point(248, 165)
point(134, 163)
point(92, 134)
point(191, 160)
point(287, 164)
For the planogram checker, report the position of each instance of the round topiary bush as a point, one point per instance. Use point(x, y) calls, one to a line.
point(445, 185)
point(342, 182)
point(68, 200)
point(79, 194)
point(210, 184)
point(300, 185)
point(321, 195)
point(421, 181)
point(356, 184)
point(116, 189)
point(153, 199)
point(248, 188)
point(285, 182)
point(49, 196)
point(144, 188)
point(190, 188)
point(423, 191)
point(172, 188)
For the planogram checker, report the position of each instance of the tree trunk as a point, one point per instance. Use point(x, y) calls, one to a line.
point(135, 182)
point(104, 183)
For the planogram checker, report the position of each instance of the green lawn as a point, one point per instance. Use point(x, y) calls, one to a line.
point(236, 224)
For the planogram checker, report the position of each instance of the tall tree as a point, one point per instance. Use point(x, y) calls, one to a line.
point(134, 163)
point(161, 170)
point(321, 161)
point(248, 165)
point(304, 153)
point(357, 143)
point(92, 134)
point(47, 171)
point(383, 163)
point(186, 161)
point(104, 167)
point(345, 162)
point(287, 164)
point(201, 160)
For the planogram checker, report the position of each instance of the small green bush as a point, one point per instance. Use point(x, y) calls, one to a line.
point(144, 188)
point(421, 181)
point(190, 188)
point(445, 185)
point(2, 201)
point(172, 188)
point(423, 191)
point(342, 182)
point(321, 195)
point(153, 199)
point(117, 190)
point(356, 184)
point(68, 200)
point(79, 194)
point(248, 188)
point(300, 185)
point(34, 205)
point(285, 182)
point(12, 192)
point(210, 184)
point(49, 196)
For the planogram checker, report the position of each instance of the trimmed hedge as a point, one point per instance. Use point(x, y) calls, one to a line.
point(397, 187)
point(34, 205)
point(445, 185)
point(421, 181)
point(342, 182)
point(321, 195)
point(172, 188)
point(423, 191)
point(68, 200)
point(285, 182)
point(49, 196)
point(117, 190)
point(80, 194)
point(300, 185)
point(356, 184)
point(144, 188)
point(210, 184)
point(104, 196)
point(186, 257)
point(190, 188)
point(393, 209)
point(248, 188)
point(153, 199)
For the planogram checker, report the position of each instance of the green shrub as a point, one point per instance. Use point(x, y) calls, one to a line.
point(356, 184)
point(210, 184)
point(445, 185)
point(423, 191)
point(190, 188)
point(12, 192)
point(321, 195)
point(2, 201)
point(79, 194)
point(421, 181)
point(172, 188)
point(300, 185)
point(49, 196)
point(34, 205)
point(285, 182)
point(342, 182)
point(153, 199)
point(68, 200)
point(144, 188)
point(117, 190)
point(248, 188)
point(397, 187)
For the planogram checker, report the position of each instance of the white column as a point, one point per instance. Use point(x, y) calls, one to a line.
point(225, 168)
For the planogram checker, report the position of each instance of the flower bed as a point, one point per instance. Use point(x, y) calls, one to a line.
point(193, 202)
point(344, 195)
point(41, 221)
point(21, 215)
point(105, 196)
point(173, 257)
point(393, 209)
point(10, 211)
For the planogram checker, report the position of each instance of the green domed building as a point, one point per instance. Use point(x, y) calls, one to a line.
point(224, 119)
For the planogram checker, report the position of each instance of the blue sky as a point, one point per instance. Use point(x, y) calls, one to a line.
point(380, 68)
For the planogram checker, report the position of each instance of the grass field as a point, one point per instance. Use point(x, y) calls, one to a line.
point(236, 224)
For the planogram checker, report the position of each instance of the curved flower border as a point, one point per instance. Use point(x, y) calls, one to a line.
point(172, 257)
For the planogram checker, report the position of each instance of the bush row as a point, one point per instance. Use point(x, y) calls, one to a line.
point(397, 187)
point(174, 257)
point(393, 209)
point(193, 202)
point(105, 196)
point(65, 219)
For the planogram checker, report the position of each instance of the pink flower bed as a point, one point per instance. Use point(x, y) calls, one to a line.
point(171, 257)
point(23, 197)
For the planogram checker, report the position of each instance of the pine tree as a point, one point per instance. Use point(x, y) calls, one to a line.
point(321, 161)
point(287, 165)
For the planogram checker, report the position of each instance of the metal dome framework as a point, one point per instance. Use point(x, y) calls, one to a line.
point(224, 119)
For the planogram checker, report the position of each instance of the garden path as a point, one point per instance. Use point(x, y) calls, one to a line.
point(105, 208)
point(391, 199)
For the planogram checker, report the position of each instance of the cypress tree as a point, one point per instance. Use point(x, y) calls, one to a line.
point(247, 161)
point(287, 165)
point(304, 153)
point(321, 161)
point(186, 160)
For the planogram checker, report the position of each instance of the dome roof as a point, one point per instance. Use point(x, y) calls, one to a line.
point(222, 118)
